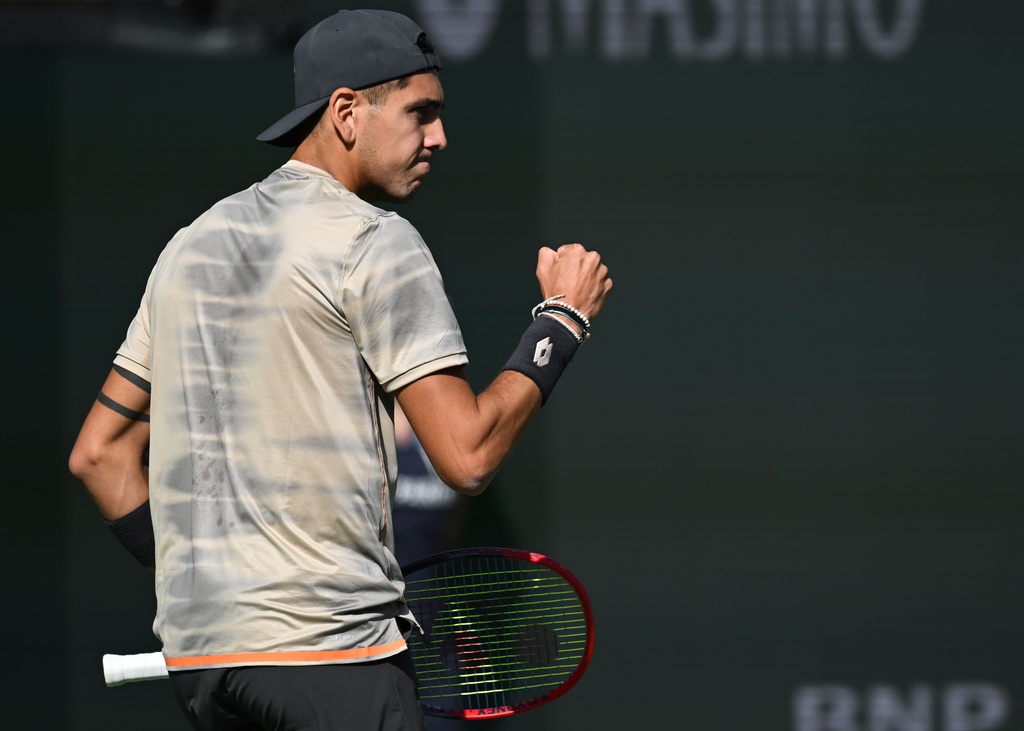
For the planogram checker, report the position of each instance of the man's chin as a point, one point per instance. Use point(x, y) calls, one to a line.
point(382, 195)
point(406, 195)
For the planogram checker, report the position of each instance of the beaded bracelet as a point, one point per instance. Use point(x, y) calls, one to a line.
point(564, 315)
point(555, 305)
point(545, 303)
point(579, 338)
point(569, 308)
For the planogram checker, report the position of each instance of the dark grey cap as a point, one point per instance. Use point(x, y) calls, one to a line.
point(353, 48)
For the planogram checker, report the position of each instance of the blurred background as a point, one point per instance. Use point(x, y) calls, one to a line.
point(787, 466)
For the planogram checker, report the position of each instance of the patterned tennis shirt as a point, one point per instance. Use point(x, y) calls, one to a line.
point(274, 330)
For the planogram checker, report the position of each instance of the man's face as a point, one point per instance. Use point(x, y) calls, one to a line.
point(400, 137)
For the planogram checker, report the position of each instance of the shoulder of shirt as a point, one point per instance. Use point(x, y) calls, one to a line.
point(370, 213)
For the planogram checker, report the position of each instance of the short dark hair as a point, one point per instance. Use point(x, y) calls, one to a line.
point(378, 93)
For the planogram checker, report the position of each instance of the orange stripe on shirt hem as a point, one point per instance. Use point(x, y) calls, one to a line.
point(275, 658)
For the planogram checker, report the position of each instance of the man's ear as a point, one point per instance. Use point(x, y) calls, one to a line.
point(340, 109)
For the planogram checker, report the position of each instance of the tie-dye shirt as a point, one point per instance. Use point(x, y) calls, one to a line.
point(273, 331)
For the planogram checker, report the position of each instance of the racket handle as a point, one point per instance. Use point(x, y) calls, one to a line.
point(118, 669)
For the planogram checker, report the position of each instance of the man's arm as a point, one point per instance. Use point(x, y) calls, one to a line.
point(109, 455)
point(468, 436)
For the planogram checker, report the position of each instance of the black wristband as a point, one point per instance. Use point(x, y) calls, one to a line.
point(135, 532)
point(545, 350)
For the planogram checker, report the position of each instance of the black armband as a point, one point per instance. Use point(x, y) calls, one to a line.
point(132, 378)
point(135, 532)
point(546, 349)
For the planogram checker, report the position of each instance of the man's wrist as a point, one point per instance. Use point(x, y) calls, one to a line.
point(545, 350)
point(135, 532)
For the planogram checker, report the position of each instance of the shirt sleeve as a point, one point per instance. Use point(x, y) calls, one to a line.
point(134, 353)
point(396, 306)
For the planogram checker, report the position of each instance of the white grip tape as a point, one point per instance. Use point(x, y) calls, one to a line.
point(118, 669)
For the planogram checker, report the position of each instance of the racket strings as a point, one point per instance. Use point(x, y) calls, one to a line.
point(497, 632)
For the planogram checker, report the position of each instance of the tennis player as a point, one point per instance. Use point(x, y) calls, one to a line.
point(243, 444)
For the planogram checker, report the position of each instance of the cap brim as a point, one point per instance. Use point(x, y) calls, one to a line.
point(289, 130)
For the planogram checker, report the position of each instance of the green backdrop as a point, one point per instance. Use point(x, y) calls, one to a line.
point(787, 465)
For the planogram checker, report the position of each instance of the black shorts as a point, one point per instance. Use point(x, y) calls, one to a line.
point(371, 696)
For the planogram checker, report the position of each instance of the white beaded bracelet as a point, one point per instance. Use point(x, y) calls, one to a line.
point(583, 321)
point(579, 338)
point(545, 303)
point(570, 308)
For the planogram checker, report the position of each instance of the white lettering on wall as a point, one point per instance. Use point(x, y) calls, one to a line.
point(955, 707)
point(629, 30)
point(897, 40)
point(891, 710)
point(459, 29)
point(726, 31)
point(825, 708)
point(784, 28)
point(575, 19)
point(975, 707)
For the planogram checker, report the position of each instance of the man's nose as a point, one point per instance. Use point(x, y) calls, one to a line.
point(435, 138)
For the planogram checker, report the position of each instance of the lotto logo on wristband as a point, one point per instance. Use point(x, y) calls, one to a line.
point(542, 353)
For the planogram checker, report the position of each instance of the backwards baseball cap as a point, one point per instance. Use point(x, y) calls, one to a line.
point(353, 48)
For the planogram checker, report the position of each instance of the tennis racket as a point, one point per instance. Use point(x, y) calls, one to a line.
point(504, 631)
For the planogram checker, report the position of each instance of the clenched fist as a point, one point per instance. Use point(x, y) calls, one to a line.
point(578, 274)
